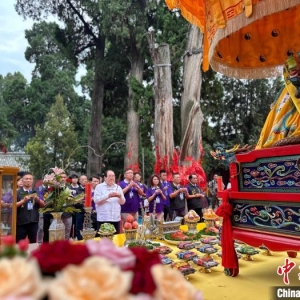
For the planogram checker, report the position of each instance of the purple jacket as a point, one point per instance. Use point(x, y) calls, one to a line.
point(159, 201)
point(132, 198)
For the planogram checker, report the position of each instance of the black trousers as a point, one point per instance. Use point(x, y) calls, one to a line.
point(167, 213)
point(47, 222)
point(27, 230)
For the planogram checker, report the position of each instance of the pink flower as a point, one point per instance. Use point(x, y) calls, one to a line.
point(23, 244)
point(57, 171)
point(49, 178)
point(8, 240)
point(121, 257)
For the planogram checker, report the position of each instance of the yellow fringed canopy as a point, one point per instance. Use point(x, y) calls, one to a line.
point(245, 38)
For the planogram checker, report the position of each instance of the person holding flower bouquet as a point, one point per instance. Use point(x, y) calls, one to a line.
point(28, 205)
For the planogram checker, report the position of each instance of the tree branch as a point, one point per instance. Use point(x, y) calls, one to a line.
point(86, 25)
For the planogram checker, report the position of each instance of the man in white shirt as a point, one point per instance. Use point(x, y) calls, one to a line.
point(109, 197)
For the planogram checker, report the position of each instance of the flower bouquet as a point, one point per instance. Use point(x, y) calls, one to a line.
point(58, 196)
point(93, 270)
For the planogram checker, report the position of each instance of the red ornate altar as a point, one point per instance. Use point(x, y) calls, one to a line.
point(265, 198)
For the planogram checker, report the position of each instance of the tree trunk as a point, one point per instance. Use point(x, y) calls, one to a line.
point(163, 123)
point(191, 114)
point(132, 137)
point(94, 164)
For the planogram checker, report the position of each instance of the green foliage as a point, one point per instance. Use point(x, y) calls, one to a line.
point(234, 111)
point(114, 136)
point(60, 199)
point(54, 142)
point(7, 131)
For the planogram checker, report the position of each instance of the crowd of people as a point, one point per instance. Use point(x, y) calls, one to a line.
point(112, 201)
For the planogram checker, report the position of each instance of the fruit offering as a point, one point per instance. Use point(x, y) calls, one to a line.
point(107, 228)
point(192, 216)
point(130, 223)
point(210, 215)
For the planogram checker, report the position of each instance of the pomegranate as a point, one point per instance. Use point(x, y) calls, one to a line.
point(135, 225)
point(129, 219)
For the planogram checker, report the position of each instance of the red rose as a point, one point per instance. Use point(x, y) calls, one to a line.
point(8, 240)
point(53, 257)
point(23, 244)
point(142, 281)
point(68, 180)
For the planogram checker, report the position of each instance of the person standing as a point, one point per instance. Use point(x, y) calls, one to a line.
point(132, 192)
point(94, 180)
point(40, 233)
point(177, 194)
point(79, 216)
point(155, 195)
point(195, 196)
point(165, 187)
point(28, 204)
point(74, 188)
point(108, 198)
point(213, 190)
point(138, 178)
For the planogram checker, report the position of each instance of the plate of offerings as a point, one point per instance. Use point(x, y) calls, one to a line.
point(147, 244)
point(186, 245)
point(208, 232)
point(166, 260)
point(107, 230)
point(184, 267)
point(205, 262)
point(186, 255)
point(248, 252)
point(207, 249)
point(175, 238)
point(210, 240)
point(163, 249)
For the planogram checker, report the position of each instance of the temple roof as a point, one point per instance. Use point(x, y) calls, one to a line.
point(14, 159)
